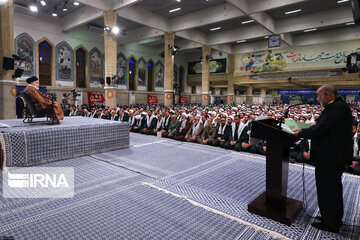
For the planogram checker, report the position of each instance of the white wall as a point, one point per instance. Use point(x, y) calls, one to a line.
point(51, 28)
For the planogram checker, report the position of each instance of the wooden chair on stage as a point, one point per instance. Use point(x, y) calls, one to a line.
point(32, 112)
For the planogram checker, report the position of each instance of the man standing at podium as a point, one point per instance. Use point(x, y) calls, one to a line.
point(331, 150)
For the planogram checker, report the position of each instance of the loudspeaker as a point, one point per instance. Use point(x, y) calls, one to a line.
point(355, 5)
point(8, 63)
point(18, 72)
point(101, 80)
point(108, 80)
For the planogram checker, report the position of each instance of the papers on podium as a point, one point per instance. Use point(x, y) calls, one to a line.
point(292, 124)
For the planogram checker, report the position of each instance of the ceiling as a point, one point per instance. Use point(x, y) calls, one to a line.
point(145, 21)
point(123, 23)
point(162, 7)
point(51, 6)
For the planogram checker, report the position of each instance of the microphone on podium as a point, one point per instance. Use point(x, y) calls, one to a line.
point(308, 101)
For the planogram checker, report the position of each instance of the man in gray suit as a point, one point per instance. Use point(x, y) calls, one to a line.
point(208, 134)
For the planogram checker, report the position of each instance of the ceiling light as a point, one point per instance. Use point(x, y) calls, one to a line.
point(241, 41)
point(342, 1)
point(107, 28)
point(33, 7)
point(115, 30)
point(54, 14)
point(3, 1)
point(76, 3)
point(266, 37)
point(65, 8)
point(178, 0)
point(43, 2)
point(249, 21)
point(214, 29)
point(310, 30)
point(350, 23)
point(294, 11)
point(174, 10)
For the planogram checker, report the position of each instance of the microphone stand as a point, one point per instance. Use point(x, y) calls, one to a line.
point(288, 108)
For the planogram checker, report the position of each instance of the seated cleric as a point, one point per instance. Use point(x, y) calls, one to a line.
point(43, 101)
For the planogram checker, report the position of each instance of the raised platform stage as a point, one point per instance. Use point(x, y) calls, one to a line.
point(27, 145)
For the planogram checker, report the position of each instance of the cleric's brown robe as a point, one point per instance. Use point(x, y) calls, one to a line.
point(44, 101)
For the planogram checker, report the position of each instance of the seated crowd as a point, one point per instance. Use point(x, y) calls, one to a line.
point(224, 126)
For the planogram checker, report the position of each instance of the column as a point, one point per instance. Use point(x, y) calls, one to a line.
point(249, 95)
point(230, 92)
point(7, 84)
point(262, 95)
point(276, 96)
point(110, 45)
point(169, 68)
point(206, 50)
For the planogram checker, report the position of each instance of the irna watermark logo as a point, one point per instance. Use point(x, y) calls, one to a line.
point(38, 182)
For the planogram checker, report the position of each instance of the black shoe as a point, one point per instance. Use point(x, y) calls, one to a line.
point(323, 227)
point(321, 219)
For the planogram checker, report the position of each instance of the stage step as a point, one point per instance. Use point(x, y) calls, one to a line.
point(29, 145)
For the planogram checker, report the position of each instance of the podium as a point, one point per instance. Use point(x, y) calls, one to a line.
point(273, 203)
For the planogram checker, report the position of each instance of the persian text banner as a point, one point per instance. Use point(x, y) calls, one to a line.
point(315, 57)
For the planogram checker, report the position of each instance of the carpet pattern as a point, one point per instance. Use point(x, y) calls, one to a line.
point(43, 143)
point(230, 186)
point(163, 189)
point(112, 203)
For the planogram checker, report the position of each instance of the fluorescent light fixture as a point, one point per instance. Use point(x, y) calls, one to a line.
point(266, 37)
point(342, 1)
point(76, 3)
point(42, 2)
point(33, 8)
point(249, 21)
point(174, 10)
point(310, 30)
point(241, 41)
point(115, 30)
point(214, 29)
point(350, 23)
point(294, 11)
point(178, 0)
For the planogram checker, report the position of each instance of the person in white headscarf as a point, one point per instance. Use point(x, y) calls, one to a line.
point(182, 129)
point(160, 125)
point(150, 123)
point(223, 132)
point(195, 130)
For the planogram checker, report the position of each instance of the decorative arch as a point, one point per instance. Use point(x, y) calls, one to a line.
point(86, 71)
point(131, 66)
point(64, 62)
point(121, 69)
point(25, 49)
point(141, 83)
point(42, 73)
point(150, 75)
point(175, 76)
point(95, 67)
point(181, 78)
point(159, 76)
